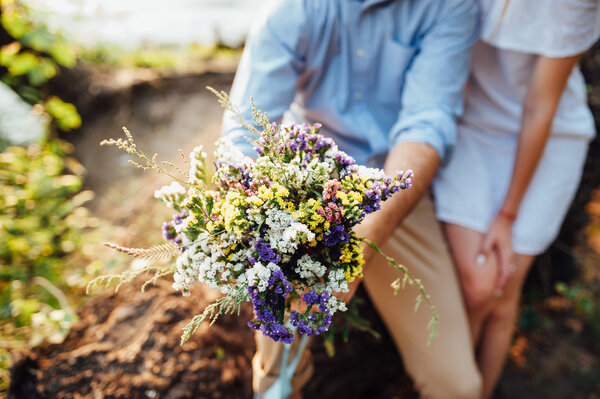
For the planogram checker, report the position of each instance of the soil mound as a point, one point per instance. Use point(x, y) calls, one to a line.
point(126, 345)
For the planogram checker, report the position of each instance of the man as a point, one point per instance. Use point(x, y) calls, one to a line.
point(385, 80)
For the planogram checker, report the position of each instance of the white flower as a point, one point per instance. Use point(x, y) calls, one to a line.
point(366, 173)
point(185, 275)
point(197, 153)
point(171, 195)
point(259, 275)
point(334, 304)
point(238, 267)
point(336, 281)
point(285, 232)
point(227, 273)
point(197, 158)
point(225, 289)
point(310, 268)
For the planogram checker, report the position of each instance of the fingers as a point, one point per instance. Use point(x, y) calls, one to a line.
point(347, 296)
point(506, 267)
point(496, 244)
point(486, 248)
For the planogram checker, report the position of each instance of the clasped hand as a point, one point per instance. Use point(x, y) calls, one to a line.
point(498, 242)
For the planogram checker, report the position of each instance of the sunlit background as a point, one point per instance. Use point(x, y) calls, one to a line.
point(137, 22)
point(73, 72)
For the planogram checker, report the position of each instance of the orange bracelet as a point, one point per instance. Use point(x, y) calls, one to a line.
point(507, 215)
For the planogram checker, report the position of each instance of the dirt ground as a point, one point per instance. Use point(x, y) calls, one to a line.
point(126, 345)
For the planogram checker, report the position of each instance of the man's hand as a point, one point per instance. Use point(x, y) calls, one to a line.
point(352, 287)
point(423, 160)
point(380, 225)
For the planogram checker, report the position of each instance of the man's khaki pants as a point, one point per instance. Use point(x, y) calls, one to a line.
point(444, 369)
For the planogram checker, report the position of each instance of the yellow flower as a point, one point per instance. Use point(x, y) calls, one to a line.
point(280, 191)
point(352, 259)
point(291, 208)
point(255, 201)
point(355, 197)
point(343, 197)
point(264, 193)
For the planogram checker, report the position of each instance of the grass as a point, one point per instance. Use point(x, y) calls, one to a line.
point(178, 59)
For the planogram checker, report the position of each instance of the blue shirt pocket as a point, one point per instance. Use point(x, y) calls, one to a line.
point(394, 61)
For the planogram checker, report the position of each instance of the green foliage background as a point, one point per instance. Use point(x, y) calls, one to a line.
point(43, 224)
point(32, 56)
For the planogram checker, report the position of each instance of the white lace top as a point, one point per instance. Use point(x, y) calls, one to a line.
point(514, 34)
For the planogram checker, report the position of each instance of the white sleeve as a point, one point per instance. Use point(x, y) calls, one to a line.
point(552, 28)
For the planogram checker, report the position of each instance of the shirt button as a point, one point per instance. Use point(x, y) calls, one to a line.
point(372, 162)
point(358, 95)
point(360, 52)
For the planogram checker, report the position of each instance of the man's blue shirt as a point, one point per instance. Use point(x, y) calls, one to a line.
point(374, 73)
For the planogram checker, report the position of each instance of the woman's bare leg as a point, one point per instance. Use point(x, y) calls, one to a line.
point(492, 319)
point(499, 327)
point(477, 280)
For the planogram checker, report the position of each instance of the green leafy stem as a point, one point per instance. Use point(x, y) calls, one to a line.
point(404, 278)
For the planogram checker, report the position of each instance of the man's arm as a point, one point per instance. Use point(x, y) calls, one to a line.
point(431, 101)
point(272, 61)
point(426, 128)
point(424, 161)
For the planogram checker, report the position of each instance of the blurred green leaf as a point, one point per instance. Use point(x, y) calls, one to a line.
point(20, 64)
point(35, 54)
point(220, 353)
point(39, 39)
point(40, 74)
point(63, 53)
point(14, 23)
point(65, 114)
point(22, 309)
point(30, 94)
point(8, 51)
point(529, 319)
point(11, 81)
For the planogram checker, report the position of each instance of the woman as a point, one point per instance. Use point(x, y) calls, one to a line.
point(520, 151)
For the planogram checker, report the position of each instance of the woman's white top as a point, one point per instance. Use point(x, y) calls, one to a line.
point(514, 34)
point(471, 188)
point(553, 28)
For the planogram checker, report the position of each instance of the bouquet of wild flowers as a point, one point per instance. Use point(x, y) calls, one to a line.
point(271, 230)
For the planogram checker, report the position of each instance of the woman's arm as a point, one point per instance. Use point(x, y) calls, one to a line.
point(547, 84)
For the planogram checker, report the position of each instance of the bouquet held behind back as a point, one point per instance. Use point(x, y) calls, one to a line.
point(272, 230)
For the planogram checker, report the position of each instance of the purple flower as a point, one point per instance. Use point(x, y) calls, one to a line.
point(344, 159)
point(374, 196)
point(266, 253)
point(313, 323)
point(268, 307)
point(168, 228)
point(168, 231)
point(310, 297)
point(337, 234)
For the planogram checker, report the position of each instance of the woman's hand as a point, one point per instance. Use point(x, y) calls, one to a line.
point(498, 241)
